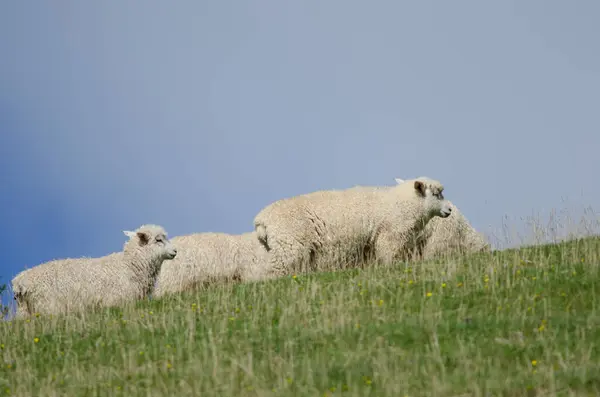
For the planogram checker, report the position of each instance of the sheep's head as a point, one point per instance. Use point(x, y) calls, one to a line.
point(430, 191)
point(152, 240)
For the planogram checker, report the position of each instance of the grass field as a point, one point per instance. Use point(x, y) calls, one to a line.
point(513, 323)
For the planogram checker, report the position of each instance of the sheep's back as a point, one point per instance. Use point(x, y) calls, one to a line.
point(332, 215)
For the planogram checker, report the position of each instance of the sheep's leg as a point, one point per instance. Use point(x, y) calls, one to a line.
point(21, 311)
point(388, 248)
point(288, 256)
point(259, 272)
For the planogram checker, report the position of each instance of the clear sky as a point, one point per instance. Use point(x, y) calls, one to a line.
point(196, 114)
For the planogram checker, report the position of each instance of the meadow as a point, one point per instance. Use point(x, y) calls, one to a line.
point(517, 322)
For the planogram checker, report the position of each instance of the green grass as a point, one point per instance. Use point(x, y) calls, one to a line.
point(516, 322)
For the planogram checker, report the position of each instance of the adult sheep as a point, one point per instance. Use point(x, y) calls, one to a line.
point(302, 232)
point(70, 285)
point(447, 236)
point(207, 258)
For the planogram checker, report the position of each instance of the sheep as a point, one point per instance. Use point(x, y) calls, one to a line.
point(450, 236)
point(68, 285)
point(206, 258)
point(355, 224)
point(446, 236)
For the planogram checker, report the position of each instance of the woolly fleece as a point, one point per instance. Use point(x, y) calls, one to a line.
point(206, 258)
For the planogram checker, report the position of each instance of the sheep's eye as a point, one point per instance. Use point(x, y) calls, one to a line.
point(159, 240)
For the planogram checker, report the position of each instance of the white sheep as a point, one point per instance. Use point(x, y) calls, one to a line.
point(70, 285)
point(453, 235)
point(447, 236)
point(207, 258)
point(351, 225)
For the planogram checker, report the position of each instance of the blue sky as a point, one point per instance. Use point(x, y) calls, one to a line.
point(195, 115)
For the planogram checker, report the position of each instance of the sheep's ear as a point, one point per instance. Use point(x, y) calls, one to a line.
point(399, 181)
point(128, 233)
point(144, 238)
point(420, 188)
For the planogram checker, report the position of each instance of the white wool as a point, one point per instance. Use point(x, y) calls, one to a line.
point(207, 258)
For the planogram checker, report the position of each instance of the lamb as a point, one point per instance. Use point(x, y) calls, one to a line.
point(447, 236)
point(71, 285)
point(206, 258)
point(355, 224)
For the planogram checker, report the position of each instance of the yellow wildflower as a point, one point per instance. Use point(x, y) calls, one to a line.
point(36, 340)
point(429, 294)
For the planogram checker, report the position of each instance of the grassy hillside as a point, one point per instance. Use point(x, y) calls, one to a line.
point(518, 322)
